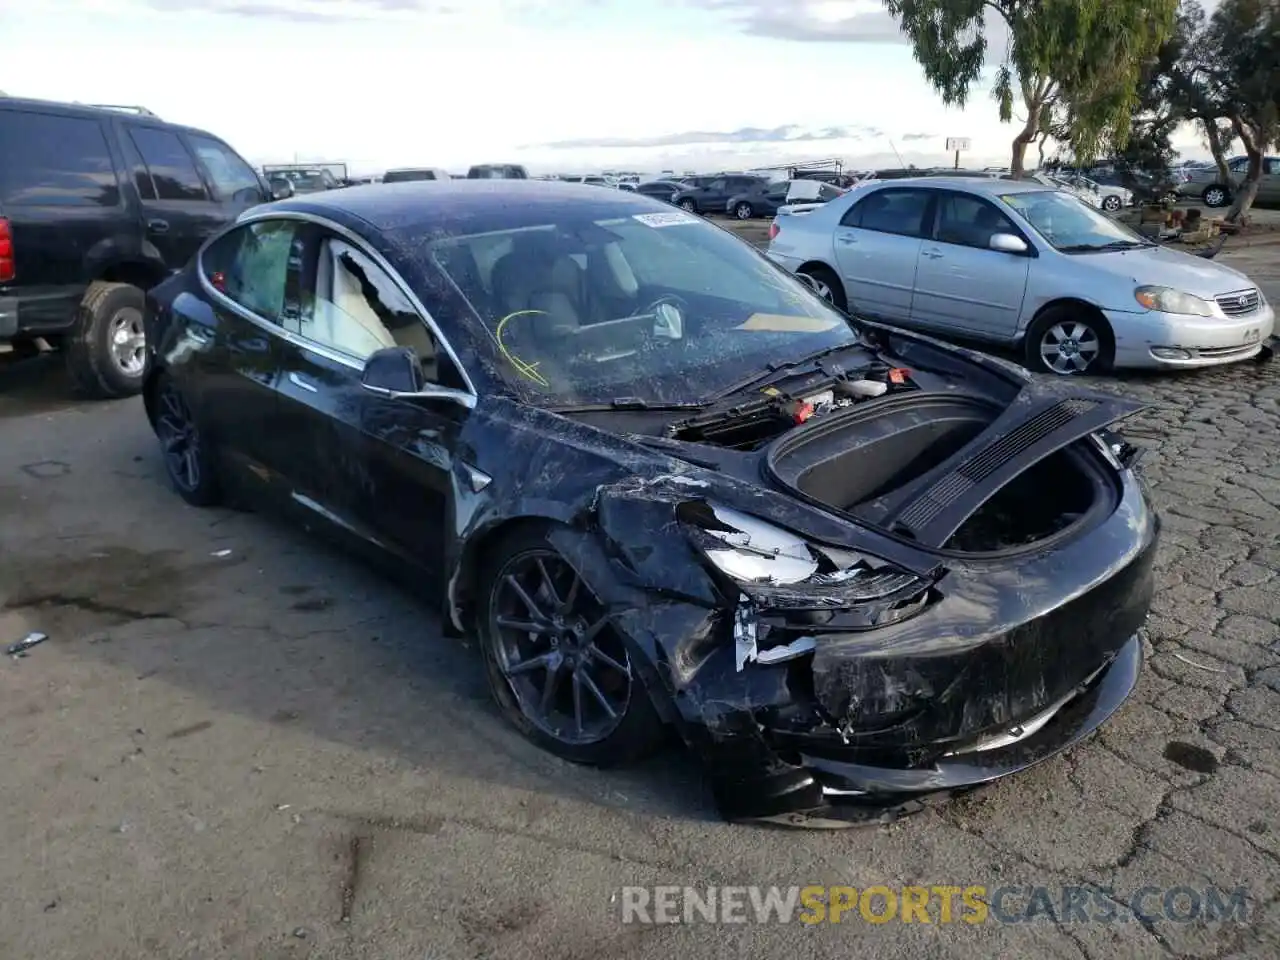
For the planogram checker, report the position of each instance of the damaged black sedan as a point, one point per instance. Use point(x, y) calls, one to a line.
point(668, 487)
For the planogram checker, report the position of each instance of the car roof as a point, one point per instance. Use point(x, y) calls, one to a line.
point(973, 184)
point(98, 112)
point(462, 206)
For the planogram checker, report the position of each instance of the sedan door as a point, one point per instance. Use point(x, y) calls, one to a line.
point(377, 466)
point(877, 246)
point(962, 285)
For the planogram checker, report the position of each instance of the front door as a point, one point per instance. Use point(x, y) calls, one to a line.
point(178, 212)
point(962, 284)
point(877, 245)
point(378, 466)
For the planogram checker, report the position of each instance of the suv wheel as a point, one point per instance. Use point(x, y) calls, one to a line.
point(688, 206)
point(1215, 196)
point(107, 351)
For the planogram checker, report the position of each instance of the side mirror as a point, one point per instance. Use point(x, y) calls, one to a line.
point(397, 372)
point(1007, 243)
point(281, 188)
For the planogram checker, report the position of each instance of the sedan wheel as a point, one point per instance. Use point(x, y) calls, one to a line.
point(1111, 204)
point(186, 455)
point(743, 211)
point(557, 665)
point(1070, 348)
point(688, 206)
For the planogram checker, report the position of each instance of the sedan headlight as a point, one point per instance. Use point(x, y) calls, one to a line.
point(1168, 300)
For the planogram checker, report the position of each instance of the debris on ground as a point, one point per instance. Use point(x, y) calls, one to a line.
point(220, 553)
point(20, 648)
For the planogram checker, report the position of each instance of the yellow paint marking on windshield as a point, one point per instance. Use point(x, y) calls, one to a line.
point(778, 323)
point(522, 367)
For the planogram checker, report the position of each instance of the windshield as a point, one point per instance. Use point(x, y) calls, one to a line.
point(661, 307)
point(1070, 224)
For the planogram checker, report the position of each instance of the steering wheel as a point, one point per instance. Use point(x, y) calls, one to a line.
point(668, 314)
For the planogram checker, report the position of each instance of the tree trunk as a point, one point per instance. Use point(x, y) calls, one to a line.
point(1216, 147)
point(1248, 192)
point(1020, 143)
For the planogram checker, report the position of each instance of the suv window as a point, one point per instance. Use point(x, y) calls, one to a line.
point(900, 212)
point(172, 170)
point(53, 160)
point(232, 177)
point(252, 265)
point(970, 221)
point(716, 186)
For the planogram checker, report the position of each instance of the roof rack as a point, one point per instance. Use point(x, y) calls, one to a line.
point(140, 111)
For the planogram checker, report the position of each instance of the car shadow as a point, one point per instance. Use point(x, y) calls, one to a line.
point(34, 385)
point(257, 618)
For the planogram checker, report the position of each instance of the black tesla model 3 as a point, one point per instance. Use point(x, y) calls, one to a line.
point(667, 486)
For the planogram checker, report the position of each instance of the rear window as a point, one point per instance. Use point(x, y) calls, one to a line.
point(51, 160)
point(403, 176)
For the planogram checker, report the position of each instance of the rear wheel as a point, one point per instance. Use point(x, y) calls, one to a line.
point(556, 666)
point(1069, 341)
point(743, 211)
point(106, 353)
point(1111, 204)
point(827, 285)
point(188, 459)
point(689, 206)
point(1215, 196)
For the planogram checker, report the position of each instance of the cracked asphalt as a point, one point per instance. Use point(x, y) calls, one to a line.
point(239, 743)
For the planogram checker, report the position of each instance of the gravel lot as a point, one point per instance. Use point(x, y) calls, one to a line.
point(238, 743)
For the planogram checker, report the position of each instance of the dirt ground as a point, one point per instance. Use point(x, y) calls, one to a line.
point(238, 743)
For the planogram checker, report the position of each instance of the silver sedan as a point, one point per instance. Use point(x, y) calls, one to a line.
point(1018, 264)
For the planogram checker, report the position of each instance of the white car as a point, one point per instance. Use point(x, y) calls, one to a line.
point(1110, 198)
point(1015, 263)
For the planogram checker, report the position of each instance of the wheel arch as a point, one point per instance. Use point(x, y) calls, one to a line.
point(136, 273)
point(1078, 304)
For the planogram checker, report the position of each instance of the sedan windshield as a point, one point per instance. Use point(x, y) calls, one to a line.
point(1070, 224)
point(661, 307)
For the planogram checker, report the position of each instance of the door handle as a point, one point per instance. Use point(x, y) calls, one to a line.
point(933, 254)
point(158, 226)
point(300, 381)
point(846, 240)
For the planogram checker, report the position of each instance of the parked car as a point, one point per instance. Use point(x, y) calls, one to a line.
point(1018, 264)
point(705, 195)
point(763, 200)
point(651, 475)
point(311, 181)
point(97, 205)
point(1206, 185)
point(1111, 197)
point(498, 171)
point(664, 190)
point(406, 174)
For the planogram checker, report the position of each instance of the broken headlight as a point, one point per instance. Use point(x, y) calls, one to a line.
point(758, 556)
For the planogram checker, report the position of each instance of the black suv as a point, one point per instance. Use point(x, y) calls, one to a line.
point(97, 205)
point(707, 194)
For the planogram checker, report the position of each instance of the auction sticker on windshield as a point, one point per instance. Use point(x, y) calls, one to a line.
point(672, 219)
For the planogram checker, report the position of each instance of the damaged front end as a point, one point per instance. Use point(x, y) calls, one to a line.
point(824, 683)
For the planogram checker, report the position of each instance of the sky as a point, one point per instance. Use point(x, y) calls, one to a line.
point(571, 86)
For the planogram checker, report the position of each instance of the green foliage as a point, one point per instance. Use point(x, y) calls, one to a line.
point(1082, 60)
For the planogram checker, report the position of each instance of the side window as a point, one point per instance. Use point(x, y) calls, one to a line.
point(1271, 165)
point(358, 309)
point(1239, 166)
point(253, 266)
point(969, 221)
point(52, 160)
point(716, 186)
point(172, 170)
point(900, 212)
point(232, 177)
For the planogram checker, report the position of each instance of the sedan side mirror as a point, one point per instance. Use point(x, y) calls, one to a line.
point(396, 372)
point(1007, 243)
point(281, 188)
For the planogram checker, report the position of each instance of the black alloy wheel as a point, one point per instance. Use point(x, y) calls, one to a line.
point(186, 458)
point(557, 667)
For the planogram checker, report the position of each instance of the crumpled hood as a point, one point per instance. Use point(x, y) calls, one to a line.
point(1159, 266)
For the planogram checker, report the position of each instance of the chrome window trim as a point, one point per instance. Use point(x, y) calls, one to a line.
point(313, 346)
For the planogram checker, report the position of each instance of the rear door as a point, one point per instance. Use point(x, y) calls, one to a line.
point(60, 192)
point(961, 283)
point(178, 210)
point(877, 248)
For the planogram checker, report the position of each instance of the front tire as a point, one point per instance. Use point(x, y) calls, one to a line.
point(559, 671)
point(1069, 341)
point(106, 352)
point(744, 211)
point(827, 285)
point(188, 459)
point(688, 206)
point(1111, 204)
point(1216, 196)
